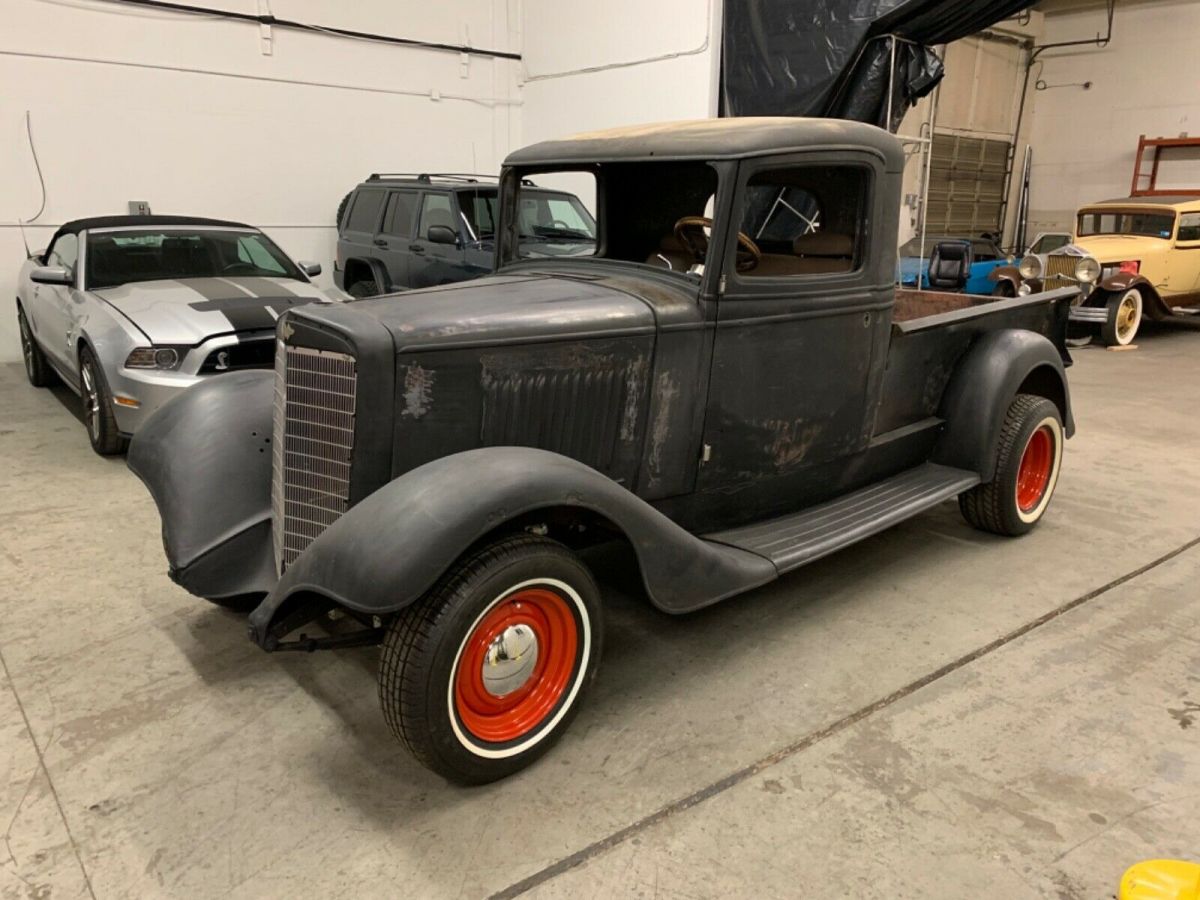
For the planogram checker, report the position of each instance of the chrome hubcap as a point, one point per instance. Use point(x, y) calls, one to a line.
point(510, 660)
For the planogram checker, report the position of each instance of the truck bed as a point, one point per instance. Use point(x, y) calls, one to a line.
point(919, 304)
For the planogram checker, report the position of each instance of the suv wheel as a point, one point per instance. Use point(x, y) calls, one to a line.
point(363, 289)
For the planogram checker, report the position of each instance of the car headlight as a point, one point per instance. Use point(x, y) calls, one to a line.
point(1031, 267)
point(167, 358)
point(1087, 270)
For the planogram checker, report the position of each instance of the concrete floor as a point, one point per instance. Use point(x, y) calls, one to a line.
point(909, 718)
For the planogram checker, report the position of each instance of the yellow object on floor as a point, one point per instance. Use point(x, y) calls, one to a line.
point(1161, 879)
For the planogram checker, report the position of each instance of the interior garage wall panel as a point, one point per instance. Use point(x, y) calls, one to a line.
point(1146, 81)
point(273, 140)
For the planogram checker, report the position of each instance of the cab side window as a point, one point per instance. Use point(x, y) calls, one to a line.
point(65, 252)
point(806, 220)
point(1189, 227)
point(436, 210)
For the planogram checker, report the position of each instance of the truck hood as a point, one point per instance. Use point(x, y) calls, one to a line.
point(524, 307)
point(190, 310)
point(1115, 248)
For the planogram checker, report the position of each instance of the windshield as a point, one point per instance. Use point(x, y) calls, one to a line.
point(545, 216)
point(1141, 224)
point(123, 257)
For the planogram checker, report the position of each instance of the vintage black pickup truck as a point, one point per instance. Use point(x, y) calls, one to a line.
point(734, 396)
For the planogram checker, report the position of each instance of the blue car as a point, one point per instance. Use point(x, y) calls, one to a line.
point(986, 256)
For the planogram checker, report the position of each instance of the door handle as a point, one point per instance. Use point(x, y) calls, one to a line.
point(417, 248)
point(380, 242)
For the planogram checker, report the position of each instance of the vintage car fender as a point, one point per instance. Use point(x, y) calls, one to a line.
point(1009, 274)
point(998, 366)
point(1153, 305)
point(205, 457)
point(390, 548)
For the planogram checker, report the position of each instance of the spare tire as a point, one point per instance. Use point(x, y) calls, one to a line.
point(342, 208)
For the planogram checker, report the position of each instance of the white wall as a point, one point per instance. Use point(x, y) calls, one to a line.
point(272, 140)
point(1146, 81)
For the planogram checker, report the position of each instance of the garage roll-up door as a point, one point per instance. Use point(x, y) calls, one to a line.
point(966, 184)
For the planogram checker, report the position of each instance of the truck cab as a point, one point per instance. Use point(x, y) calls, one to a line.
point(730, 382)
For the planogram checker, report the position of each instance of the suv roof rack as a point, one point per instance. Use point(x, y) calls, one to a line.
point(430, 177)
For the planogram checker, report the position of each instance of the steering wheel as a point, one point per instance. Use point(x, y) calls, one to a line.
point(560, 225)
point(689, 231)
point(238, 265)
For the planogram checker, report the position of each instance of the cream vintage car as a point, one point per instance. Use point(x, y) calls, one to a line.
point(1134, 257)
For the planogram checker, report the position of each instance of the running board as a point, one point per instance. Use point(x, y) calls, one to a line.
point(792, 541)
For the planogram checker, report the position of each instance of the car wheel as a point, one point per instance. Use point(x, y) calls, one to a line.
point(484, 673)
point(97, 407)
point(1027, 467)
point(1124, 318)
point(37, 368)
point(363, 289)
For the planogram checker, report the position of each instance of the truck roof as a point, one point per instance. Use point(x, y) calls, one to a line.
point(706, 139)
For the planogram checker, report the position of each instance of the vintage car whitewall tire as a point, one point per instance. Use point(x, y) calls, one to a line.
point(1028, 463)
point(484, 673)
point(1124, 318)
point(37, 368)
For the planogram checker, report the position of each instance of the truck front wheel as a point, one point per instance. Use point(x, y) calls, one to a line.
point(484, 673)
point(1027, 467)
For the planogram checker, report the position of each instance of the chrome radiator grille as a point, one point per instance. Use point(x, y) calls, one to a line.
point(312, 445)
point(1060, 270)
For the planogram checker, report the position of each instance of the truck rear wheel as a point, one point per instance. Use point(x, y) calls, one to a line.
point(1124, 318)
point(1027, 467)
point(484, 673)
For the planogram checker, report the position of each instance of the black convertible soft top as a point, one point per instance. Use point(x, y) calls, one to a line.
point(77, 225)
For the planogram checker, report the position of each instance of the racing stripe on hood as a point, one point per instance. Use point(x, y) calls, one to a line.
point(244, 313)
point(261, 287)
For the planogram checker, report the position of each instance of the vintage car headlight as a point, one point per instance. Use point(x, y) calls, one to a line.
point(1087, 270)
point(1031, 267)
point(153, 358)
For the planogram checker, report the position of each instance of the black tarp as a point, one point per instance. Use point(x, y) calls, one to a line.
point(832, 57)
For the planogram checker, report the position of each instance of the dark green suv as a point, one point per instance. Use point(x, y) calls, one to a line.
point(411, 231)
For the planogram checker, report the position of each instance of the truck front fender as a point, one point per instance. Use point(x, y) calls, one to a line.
point(390, 548)
point(205, 457)
point(994, 370)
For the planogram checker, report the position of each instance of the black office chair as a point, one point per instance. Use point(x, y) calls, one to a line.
point(950, 265)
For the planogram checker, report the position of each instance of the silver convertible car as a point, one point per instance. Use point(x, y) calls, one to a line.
point(131, 310)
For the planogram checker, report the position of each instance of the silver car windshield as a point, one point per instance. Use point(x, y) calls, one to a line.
point(115, 257)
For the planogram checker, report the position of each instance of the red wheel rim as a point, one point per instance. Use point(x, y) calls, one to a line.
point(1037, 462)
point(500, 719)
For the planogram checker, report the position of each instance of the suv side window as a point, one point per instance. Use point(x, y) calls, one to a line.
point(398, 219)
point(65, 252)
point(806, 219)
point(1189, 227)
point(436, 210)
point(364, 215)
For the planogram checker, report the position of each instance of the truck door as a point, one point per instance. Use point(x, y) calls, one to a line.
point(430, 262)
point(800, 332)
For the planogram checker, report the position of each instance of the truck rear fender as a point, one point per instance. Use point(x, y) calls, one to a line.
point(996, 368)
point(205, 457)
point(391, 548)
